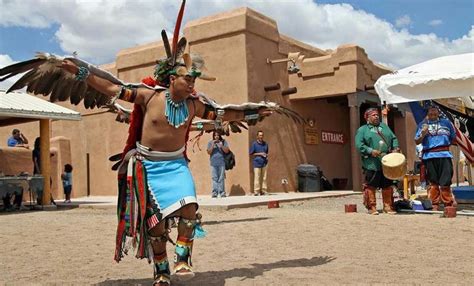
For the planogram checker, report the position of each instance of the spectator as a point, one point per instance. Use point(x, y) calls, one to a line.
point(259, 152)
point(17, 139)
point(216, 149)
point(67, 182)
point(36, 157)
point(436, 135)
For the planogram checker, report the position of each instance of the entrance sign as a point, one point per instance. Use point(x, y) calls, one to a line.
point(332, 137)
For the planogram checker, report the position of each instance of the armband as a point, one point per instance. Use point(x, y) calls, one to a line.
point(209, 112)
point(251, 115)
point(200, 126)
point(128, 94)
point(82, 74)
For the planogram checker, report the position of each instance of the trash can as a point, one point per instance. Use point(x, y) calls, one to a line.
point(339, 183)
point(309, 178)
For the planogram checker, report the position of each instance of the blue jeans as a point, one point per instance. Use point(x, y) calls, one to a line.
point(218, 184)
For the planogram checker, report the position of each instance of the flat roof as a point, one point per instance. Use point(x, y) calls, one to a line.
point(23, 105)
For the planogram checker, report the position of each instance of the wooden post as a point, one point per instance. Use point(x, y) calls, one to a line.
point(355, 156)
point(45, 160)
point(88, 175)
point(406, 196)
point(456, 161)
point(469, 173)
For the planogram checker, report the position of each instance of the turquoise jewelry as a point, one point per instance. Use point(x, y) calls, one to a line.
point(176, 112)
point(82, 74)
point(200, 126)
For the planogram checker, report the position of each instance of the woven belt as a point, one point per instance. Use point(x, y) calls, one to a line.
point(437, 149)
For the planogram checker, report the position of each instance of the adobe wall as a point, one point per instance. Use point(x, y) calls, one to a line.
point(235, 46)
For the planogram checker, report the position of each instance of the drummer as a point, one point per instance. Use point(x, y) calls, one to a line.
point(436, 135)
point(374, 140)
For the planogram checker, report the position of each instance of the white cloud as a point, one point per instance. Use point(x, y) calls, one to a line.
point(435, 22)
point(403, 21)
point(25, 14)
point(97, 30)
point(5, 60)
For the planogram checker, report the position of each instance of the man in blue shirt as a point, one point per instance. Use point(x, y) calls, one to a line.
point(216, 148)
point(259, 152)
point(17, 139)
point(436, 135)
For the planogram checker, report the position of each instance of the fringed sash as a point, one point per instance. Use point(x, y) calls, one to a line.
point(132, 205)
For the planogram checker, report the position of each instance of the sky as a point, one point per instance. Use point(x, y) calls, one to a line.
point(396, 33)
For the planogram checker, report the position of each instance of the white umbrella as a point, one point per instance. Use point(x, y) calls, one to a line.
point(444, 77)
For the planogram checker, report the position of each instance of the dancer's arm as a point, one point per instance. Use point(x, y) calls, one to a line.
point(207, 112)
point(139, 95)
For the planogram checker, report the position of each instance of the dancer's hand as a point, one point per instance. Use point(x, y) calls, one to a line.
point(424, 129)
point(69, 66)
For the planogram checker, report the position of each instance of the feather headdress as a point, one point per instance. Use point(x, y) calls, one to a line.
point(177, 62)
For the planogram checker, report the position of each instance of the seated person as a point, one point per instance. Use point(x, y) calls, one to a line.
point(17, 139)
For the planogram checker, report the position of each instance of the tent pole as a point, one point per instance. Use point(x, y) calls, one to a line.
point(385, 111)
point(456, 160)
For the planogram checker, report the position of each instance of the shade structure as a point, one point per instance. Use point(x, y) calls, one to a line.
point(444, 77)
point(23, 105)
point(18, 107)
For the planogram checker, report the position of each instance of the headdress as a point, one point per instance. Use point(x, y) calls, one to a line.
point(177, 62)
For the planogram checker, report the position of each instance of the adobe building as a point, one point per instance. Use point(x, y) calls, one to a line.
point(246, 53)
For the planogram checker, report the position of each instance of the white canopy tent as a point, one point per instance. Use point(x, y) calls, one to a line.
point(444, 77)
point(439, 78)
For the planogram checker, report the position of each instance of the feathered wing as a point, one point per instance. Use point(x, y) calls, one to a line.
point(43, 75)
point(123, 114)
point(226, 127)
point(249, 106)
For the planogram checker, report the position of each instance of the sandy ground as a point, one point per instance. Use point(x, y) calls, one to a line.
point(305, 243)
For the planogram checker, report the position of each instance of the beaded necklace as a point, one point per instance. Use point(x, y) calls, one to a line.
point(433, 124)
point(176, 112)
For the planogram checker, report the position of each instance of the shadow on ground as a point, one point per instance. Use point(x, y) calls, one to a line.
point(213, 222)
point(28, 209)
point(218, 278)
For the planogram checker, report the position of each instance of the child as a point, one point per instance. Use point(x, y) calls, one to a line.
point(67, 182)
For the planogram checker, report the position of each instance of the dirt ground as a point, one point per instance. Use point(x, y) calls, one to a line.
point(305, 243)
